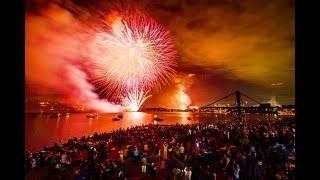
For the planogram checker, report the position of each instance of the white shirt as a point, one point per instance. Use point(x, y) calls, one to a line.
point(188, 174)
point(181, 149)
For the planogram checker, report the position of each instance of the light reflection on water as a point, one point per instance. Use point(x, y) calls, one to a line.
point(40, 130)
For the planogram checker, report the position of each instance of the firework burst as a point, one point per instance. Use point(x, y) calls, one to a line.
point(135, 51)
point(135, 98)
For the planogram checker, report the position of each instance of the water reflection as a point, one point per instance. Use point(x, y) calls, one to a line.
point(40, 130)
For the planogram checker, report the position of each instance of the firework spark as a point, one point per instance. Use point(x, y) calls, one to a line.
point(135, 52)
point(135, 98)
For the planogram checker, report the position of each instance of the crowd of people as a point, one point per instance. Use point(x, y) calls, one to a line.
point(193, 151)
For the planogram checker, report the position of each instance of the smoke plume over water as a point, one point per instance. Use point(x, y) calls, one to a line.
point(56, 59)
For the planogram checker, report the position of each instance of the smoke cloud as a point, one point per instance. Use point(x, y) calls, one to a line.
point(56, 58)
point(176, 96)
point(273, 102)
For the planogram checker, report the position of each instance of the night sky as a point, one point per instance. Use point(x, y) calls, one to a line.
point(222, 46)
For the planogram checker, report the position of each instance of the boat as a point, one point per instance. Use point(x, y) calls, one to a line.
point(55, 115)
point(93, 116)
point(120, 116)
point(156, 118)
point(116, 118)
point(90, 116)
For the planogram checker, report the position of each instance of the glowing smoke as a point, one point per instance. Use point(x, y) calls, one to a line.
point(56, 58)
point(177, 96)
point(183, 84)
point(183, 99)
point(273, 102)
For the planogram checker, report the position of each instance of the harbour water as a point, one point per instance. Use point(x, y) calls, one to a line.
point(40, 130)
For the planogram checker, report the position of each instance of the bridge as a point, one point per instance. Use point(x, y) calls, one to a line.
point(239, 104)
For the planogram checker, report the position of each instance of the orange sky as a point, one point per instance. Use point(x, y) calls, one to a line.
point(228, 45)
